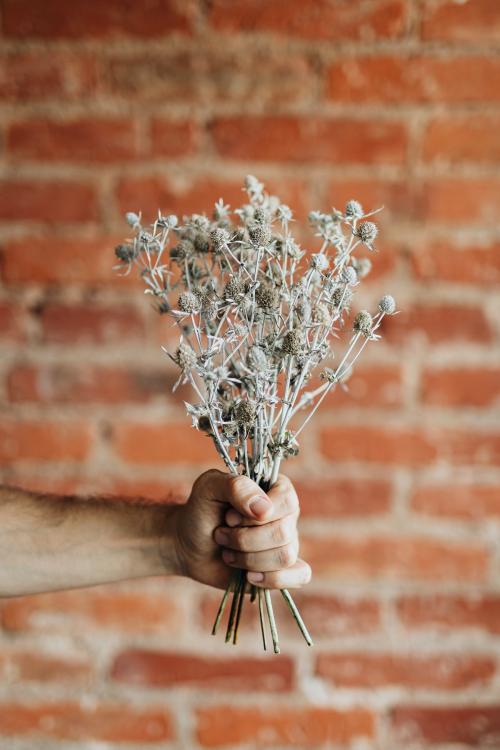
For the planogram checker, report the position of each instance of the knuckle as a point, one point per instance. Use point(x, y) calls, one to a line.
point(241, 540)
point(279, 534)
point(286, 556)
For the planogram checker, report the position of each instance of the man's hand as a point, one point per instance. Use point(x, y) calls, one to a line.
point(229, 522)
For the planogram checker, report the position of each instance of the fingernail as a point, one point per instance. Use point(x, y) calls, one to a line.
point(221, 536)
point(255, 577)
point(260, 505)
point(228, 556)
point(233, 518)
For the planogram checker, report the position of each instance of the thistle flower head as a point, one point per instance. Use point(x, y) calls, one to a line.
point(182, 250)
point(267, 297)
point(209, 309)
point(387, 304)
point(219, 237)
point(363, 323)
point(257, 359)
point(201, 243)
point(234, 289)
point(260, 234)
point(292, 342)
point(362, 266)
point(349, 275)
point(185, 357)
point(132, 219)
point(367, 232)
point(126, 253)
point(342, 297)
point(188, 302)
point(353, 210)
point(244, 413)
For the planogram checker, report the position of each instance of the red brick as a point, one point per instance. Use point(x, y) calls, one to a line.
point(86, 323)
point(166, 669)
point(32, 76)
point(312, 139)
point(458, 140)
point(479, 611)
point(453, 671)
point(394, 558)
point(51, 20)
point(10, 322)
point(83, 140)
point(63, 384)
point(459, 200)
point(33, 666)
point(75, 261)
point(103, 609)
point(195, 196)
point(409, 447)
point(370, 385)
point(466, 501)
point(321, 20)
point(172, 443)
point(397, 79)
point(174, 138)
point(294, 727)
point(44, 441)
point(72, 721)
point(343, 497)
point(476, 21)
point(474, 726)
point(335, 616)
point(377, 444)
point(48, 201)
point(227, 73)
point(464, 386)
point(443, 261)
point(443, 323)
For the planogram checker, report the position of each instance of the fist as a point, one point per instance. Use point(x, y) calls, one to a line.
point(229, 522)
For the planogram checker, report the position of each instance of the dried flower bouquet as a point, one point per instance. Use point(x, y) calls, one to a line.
point(256, 315)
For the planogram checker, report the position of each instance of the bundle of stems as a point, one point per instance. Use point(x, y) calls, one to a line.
point(256, 316)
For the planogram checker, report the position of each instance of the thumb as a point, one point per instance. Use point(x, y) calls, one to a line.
point(240, 492)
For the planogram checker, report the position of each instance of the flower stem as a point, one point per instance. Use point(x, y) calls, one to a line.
point(296, 616)
point(222, 607)
point(241, 599)
point(234, 604)
point(261, 618)
point(272, 621)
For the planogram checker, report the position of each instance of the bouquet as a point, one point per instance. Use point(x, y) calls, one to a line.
point(256, 316)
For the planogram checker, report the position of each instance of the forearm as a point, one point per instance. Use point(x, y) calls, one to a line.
point(49, 542)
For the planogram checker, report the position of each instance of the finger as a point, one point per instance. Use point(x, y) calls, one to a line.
point(284, 502)
point(242, 493)
point(271, 559)
point(258, 538)
point(295, 576)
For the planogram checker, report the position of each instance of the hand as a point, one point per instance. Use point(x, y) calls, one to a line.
point(229, 522)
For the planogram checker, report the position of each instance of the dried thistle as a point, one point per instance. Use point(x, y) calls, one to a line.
point(257, 315)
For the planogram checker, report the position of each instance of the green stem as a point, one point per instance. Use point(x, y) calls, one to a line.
point(261, 618)
point(234, 603)
point(222, 607)
point(241, 600)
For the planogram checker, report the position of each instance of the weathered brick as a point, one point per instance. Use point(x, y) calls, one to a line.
point(47, 201)
point(174, 138)
point(51, 20)
point(469, 726)
point(72, 721)
point(458, 140)
point(310, 139)
point(478, 21)
point(443, 261)
point(379, 557)
point(465, 501)
point(221, 726)
point(166, 669)
point(439, 323)
point(31, 76)
point(458, 200)
point(72, 261)
point(102, 609)
point(37, 666)
point(10, 322)
point(343, 497)
point(451, 671)
point(87, 384)
point(78, 140)
point(162, 444)
point(81, 323)
point(451, 612)
point(461, 386)
point(44, 440)
point(321, 20)
point(395, 79)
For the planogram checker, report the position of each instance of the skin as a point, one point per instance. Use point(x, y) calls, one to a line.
point(50, 543)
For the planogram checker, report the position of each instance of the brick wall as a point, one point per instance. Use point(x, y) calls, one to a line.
point(117, 106)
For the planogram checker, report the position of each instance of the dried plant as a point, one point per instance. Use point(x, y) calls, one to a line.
point(256, 316)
